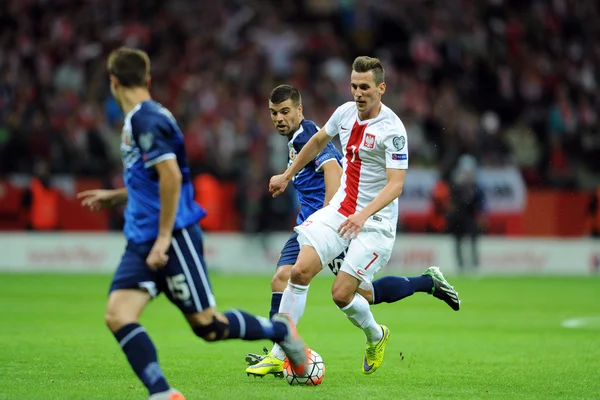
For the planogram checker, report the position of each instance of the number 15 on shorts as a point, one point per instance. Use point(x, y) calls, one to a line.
point(178, 287)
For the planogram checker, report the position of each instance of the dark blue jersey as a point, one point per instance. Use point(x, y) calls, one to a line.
point(151, 135)
point(309, 182)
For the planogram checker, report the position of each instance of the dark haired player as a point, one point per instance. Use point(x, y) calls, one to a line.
point(164, 242)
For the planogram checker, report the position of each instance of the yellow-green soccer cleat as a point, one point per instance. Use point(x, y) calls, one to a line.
point(268, 365)
point(253, 359)
point(375, 351)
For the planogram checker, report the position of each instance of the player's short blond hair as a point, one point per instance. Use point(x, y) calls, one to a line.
point(130, 66)
point(366, 64)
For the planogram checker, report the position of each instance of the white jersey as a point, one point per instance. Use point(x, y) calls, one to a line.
point(370, 147)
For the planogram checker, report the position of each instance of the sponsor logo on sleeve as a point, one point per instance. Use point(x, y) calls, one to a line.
point(399, 157)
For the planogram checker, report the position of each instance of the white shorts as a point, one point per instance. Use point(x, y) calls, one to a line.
point(367, 253)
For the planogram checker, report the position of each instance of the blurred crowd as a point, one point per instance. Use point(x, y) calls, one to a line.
point(512, 82)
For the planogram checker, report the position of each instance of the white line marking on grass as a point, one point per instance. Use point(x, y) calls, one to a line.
point(582, 322)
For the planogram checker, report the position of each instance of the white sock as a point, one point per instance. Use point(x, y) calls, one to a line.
point(359, 313)
point(278, 352)
point(293, 303)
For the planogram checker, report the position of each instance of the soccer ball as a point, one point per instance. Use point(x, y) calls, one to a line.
point(315, 372)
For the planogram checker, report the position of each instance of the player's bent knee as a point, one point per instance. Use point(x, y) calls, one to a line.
point(341, 296)
point(341, 299)
point(344, 288)
point(111, 321)
point(124, 307)
point(281, 278)
point(304, 271)
point(301, 275)
point(213, 331)
point(116, 321)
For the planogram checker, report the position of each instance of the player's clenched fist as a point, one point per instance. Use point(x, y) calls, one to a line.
point(157, 258)
point(278, 184)
point(97, 199)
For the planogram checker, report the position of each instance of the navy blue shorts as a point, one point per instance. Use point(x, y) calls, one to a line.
point(184, 279)
point(290, 252)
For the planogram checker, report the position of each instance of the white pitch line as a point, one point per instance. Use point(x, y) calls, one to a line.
point(581, 322)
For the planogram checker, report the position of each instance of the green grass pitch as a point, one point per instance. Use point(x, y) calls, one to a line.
point(507, 342)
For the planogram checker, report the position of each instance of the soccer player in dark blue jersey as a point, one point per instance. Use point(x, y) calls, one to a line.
point(164, 250)
point(315, 185)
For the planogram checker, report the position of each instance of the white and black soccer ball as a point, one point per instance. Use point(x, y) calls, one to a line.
point(314, 375)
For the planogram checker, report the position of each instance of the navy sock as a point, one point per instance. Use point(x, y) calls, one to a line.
point(275, 301)
point(423, 283)
point(141, 354)
point(243, 325)
point(390, 289)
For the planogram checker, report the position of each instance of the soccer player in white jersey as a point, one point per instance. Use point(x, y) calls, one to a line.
point(362, 214)
point(315, 186)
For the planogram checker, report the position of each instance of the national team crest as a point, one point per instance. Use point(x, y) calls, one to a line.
point(146, 140)
point(292, 154)
point(369, 141)
point(399, 142)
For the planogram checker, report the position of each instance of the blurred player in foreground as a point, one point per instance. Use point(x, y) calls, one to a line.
point(164, 242)
point(314, 191)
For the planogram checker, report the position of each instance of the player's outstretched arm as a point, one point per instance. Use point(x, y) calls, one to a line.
point(391, 191)
point(333, 176)
point(314, 146)
point(100, 199)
